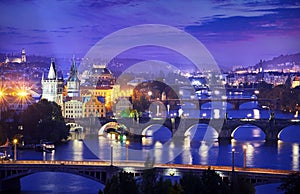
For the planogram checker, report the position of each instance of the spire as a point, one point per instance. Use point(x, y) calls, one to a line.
point(73, 72)
point(52, 70)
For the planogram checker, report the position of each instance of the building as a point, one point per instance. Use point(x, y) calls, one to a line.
point(21, 59)
point(23, 56)
point(296, 82)
point(72, 108)
point(93, 106)
point(52, 86)
point(73, 83)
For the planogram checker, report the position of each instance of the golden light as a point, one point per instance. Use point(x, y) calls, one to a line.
point(127, 142)
point(22, 93)
point(15, 141)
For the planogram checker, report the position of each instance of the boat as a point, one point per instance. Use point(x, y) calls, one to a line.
point(45, 146)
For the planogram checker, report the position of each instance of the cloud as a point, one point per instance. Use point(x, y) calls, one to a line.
point(237, 28)
point(35, 43)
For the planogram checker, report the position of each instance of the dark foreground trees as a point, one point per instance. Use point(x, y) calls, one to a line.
point(209, 182)
point(291, 184)
point(121, 183)
point(43, 120)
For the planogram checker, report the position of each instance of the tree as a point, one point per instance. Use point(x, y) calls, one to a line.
point(243, 186)
point(191, 183)
point(3, 135)
point(149, 179)
point(291, 184)
point(44, 120)
point(163, 186)
point(121, 183)
point(212, 183)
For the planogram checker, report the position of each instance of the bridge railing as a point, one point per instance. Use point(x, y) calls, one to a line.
point(141, 164)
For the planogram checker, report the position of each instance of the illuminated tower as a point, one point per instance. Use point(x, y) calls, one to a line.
point(23, 58)
point(73, 83)
point(52, 86)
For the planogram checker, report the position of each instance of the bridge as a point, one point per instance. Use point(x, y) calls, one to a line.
point(11, 172)
point(235, 102)
point(179, 126)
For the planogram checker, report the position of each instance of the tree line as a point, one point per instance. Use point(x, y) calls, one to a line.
point(39, 121)
point(209, 182)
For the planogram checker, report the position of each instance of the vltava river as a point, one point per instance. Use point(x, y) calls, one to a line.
point(281, 155)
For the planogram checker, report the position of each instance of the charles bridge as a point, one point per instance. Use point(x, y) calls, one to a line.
point(180, 125)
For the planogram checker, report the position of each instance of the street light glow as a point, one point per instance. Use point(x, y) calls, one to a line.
point(15, 141)
point(22, 93)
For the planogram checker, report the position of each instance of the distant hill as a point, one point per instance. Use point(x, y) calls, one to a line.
point(281, 62)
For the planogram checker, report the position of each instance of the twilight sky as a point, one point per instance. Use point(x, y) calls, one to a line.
point(235, 32)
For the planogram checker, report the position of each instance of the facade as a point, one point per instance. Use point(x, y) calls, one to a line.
point(23, 56)
point(93, 106)
point(21, 59)
point(52, 86)
point(296, 82)
point(73, 108)
point(73, 83)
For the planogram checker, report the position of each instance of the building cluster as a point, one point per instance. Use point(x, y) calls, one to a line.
point(95, 95)
point(253, 75)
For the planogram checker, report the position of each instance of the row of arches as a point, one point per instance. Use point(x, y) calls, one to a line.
point(224, 105)
point(204, 132)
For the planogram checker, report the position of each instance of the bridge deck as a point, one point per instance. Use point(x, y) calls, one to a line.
point(141, 164)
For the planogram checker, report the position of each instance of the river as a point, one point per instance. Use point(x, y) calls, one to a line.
point(163, 149)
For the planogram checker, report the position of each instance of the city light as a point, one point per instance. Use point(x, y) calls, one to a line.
point(15, 142)
point(22, 93)
point(245, 155)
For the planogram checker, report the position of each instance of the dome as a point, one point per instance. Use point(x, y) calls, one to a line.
point(100, 69)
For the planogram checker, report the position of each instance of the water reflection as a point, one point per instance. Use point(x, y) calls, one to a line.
point(203, 152)
point(295, 156)
point(290, 134)
point(248, 133)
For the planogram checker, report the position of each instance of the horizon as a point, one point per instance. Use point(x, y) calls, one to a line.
point(235, 33)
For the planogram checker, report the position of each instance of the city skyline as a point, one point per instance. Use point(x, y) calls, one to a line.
point(234, 32)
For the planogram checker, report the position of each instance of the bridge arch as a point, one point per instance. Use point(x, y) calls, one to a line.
point(290, 133)
point(249, 105)
point(156, 128)
point(118, 127)
point(74, 127)
point(223, 104)
point(248, 132)
point(54, 178)
point(201, 131)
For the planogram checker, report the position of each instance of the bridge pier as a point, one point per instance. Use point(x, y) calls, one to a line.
point(10, 185)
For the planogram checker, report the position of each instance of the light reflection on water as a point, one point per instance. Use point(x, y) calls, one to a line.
point(283, 155)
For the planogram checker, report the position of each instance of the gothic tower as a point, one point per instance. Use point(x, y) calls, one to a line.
point(73, 83)
point(23, 58)
point(52, 86)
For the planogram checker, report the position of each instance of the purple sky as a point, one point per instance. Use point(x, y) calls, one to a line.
point(235, 32)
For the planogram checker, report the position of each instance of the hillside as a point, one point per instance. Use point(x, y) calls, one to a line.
point(282, 62)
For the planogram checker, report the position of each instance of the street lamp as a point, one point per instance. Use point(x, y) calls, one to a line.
point(15, 141)
point(127, 144)
point(232, 155)
point(111, 154)
point(245, 158)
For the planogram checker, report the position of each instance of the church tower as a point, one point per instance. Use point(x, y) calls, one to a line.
point(52, 86)
point(73, 83)
point(23, 56)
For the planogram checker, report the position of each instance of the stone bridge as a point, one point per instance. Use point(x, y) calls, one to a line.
point(235, 102)
point(225, 127)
